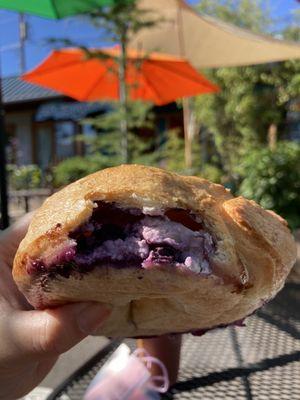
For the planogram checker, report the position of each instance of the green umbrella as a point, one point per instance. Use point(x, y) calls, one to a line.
point(54, 9)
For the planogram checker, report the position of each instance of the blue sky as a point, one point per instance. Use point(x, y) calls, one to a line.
point(77, 29)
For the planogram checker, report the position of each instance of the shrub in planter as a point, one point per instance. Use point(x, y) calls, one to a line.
point(75, 168)
point(24, 177)
point(212, 173)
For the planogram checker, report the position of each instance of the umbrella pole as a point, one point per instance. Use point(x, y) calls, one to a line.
point(123, 101)
point(3, 181)
point(186, 105)
point(187, 134)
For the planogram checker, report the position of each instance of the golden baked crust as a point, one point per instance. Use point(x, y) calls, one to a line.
point(255, 252)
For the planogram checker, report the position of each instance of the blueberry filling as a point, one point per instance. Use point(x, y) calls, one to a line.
point(132, 238)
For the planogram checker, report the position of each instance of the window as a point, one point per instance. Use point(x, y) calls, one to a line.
point(43, 145)
point(90, 134)
point(12, 144)
point(64, 140)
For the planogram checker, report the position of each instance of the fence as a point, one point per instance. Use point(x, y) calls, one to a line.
point(23, 201)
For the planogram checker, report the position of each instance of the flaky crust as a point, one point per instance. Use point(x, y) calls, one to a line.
point(255, 252)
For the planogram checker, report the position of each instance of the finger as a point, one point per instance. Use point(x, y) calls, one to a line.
point(52, 332)
point(10, 238)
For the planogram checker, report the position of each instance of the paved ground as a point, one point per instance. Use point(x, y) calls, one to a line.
point(71, 360)
point(66, 365)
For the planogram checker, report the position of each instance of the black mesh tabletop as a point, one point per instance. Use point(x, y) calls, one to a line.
point(260, 361)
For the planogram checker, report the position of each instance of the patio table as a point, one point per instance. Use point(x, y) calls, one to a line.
point(259, 362)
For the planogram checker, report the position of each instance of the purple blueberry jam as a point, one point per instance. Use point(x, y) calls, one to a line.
point(132, 238)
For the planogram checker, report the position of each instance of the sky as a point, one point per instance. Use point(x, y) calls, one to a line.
point(37, 46)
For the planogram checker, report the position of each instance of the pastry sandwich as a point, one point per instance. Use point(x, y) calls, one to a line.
point(167, 253)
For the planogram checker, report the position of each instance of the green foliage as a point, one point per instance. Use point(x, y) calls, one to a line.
point(139, 115)
point(251, 98)
point(143, 150)
point(75, 168)
point(121, 17)
point(292, 31)
point(212, 173)
point(272, 178)
point(172, 151)
point(109, 141)
point(116, 21)
point(248, 14)
point(24, 177)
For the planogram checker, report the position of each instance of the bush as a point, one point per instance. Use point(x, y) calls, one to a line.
point(24, 177)
point(272, 178)
point(75, 168)
point(211, 173)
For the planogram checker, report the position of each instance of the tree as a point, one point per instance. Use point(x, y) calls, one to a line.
point(254, 99)
point(118, 21)
point(107, 143)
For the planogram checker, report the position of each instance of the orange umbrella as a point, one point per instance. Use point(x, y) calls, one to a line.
point(158, 78)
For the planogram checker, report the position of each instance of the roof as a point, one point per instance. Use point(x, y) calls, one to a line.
point(14, 90)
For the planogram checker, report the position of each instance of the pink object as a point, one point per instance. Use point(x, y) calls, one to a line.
point(126, 376)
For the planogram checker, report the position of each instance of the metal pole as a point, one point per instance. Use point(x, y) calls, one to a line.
point(123, 100)
point(185, 102)
point(22, 37)
point(3, 181)
point(188, 154)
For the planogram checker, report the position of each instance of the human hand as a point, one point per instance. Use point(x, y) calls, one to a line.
point(32, 340)
point(167, 349)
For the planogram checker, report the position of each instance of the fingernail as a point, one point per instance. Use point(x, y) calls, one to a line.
point(92, 316)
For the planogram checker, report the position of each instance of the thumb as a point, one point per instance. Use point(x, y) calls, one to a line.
point(54, 331)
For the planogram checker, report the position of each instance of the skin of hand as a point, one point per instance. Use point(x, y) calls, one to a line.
point(167, 349)
point(32, 340)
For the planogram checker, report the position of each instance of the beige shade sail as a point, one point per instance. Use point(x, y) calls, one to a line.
point(205, 41)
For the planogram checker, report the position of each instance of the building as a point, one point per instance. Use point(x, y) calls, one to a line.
point(42, 124)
